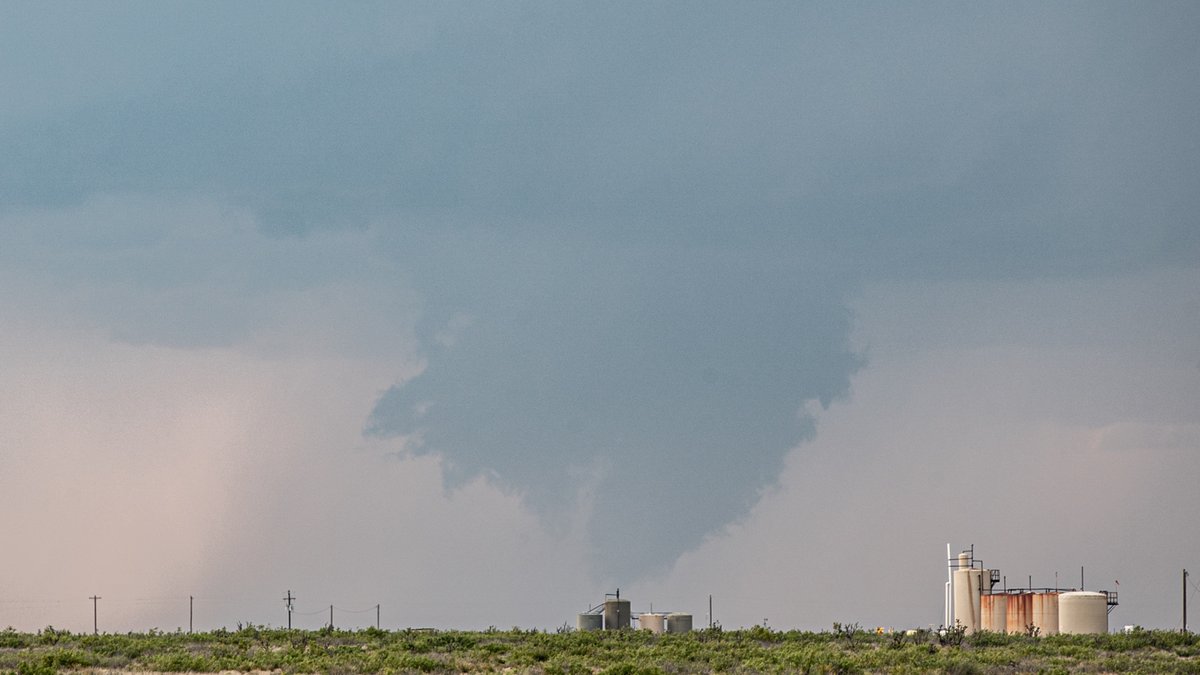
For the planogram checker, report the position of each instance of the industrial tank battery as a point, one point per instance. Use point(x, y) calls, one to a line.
point(679, 622)
point(1045, 613)
point(616, 614)
point(993, 612)
point(1082, 612)
point(589, 622)
point(655, 623)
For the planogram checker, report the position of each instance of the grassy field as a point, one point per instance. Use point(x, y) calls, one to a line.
point(757, 650)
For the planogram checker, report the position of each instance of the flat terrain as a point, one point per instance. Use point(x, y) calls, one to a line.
point(843, 650)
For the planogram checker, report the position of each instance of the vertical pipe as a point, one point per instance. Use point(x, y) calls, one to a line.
point(191, 604)
point(949, 588)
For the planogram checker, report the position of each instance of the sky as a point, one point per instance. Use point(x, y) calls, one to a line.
point(477, 312)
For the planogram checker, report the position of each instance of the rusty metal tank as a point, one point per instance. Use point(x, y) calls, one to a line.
point(993, 612)
point(1081, 612)
point(1020, 613)
point(1045, 613)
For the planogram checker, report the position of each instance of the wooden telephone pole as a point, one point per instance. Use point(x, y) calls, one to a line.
point(289, 600)
point(95, 615)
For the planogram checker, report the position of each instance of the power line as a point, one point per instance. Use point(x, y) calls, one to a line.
point(357, 611)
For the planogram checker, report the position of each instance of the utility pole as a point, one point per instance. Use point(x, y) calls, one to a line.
point(331, 617)
point(289, 600)
point(710, 617)
point(1185, 576)
point(95, 615)
point(376, 617)
point(191, 607)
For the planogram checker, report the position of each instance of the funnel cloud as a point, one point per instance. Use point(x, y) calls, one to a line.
point(668, 387)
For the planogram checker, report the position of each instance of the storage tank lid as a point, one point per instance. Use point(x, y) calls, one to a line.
point(1083, 594)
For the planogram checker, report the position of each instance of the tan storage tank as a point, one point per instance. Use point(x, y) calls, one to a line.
point(678, 622)
point(1045, 613)
point(966, 598)
point(1020, 613)
point(993, 610)
point(1082, 612)
point(589, 622)
point(616, 614)
point(655, 623)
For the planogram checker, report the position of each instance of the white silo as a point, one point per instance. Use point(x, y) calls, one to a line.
point(1082, 612)
point(966, 597)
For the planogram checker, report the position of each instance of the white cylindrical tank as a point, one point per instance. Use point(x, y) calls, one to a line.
point(1045, 613)
point(993, 611)
point(679, 622)
point(589, 622)
point(966, 598)
point(655, 623)
point(616, 614)
point(1081, 612)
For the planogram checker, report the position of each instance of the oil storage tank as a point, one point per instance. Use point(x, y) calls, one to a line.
point(1082, 612)
point(589, 622)
point(679, 622)
point(993, 612)
point(966, 598)
point(616, 614)
point(1045, 613)
point(1020, 612)
point(655, 623)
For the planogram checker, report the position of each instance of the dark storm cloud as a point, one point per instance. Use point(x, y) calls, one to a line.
point(640, 222)
point(679, 375)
